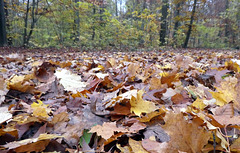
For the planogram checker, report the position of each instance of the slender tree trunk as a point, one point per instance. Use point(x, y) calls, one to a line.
point(26, 25)
point(141, 43)
point(190, 25)
point(8, 27)
point(34, 20)
point(227, 24)
point(93, 25)
point(77, 23)
point(3, 33)
point(116, 8)
point(177, 23)
point(163, 30)
point(102, 23)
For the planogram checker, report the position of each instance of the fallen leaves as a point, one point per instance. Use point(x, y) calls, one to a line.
point(34, 144)
point(120, 102)
point(186, 137)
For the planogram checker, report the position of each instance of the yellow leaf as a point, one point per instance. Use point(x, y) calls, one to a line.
point(226, 92)
point(138, 105)
point(198, 103)
point(39, 109)
point(164, 74)
point(101, 67)
point(136, 146)
point(22, 83)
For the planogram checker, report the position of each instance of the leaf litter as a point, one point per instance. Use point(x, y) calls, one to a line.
point(157, 101)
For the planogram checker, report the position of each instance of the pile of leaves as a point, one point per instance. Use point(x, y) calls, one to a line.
point(159, 101)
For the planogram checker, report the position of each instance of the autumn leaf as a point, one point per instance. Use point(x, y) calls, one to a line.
point(236, 145)
point(22, 83)
point(226, 92)
point(40, 109)
point(33, 144)
point(70, 81)
point(5, 114)
point(151, 115)
point(154, 146)
point(3, 89)
point(139, 106)
point(136, 146)
point(107, 129)
point(187, 137)
point(198, 103)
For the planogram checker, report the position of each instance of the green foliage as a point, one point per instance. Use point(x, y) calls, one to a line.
point(85, 137)
point(210, 37)
point(83, 24)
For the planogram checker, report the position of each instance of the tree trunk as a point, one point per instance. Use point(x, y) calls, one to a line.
point(141, 42)
point(116, 8)
point(163, 30)
point(176, 24)
point(227, 23)
point(190, 25)
point(26, 25)
point(34, 20)
point(3, 33)
point(93, 24)
point(77, 23)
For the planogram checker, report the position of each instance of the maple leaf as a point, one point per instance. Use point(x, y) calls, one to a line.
point(22, 83)
point(70, 81)
point(187, 137)
point(139, 106)
point(226, 92)
point(107, 129)
point(40, 109)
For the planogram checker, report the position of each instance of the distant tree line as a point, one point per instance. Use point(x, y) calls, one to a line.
point(123, 24)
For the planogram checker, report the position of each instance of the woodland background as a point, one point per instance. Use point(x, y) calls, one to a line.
point(125, 24)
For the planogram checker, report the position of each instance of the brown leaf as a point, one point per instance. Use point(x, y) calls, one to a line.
point(136, 146)
point(62, 117)
point(154, 147)
point(107, 129)
point(187, 137)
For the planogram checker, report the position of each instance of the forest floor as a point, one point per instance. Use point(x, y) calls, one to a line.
point(65, 100)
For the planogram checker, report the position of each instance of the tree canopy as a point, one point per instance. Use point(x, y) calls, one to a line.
point(123, 23)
